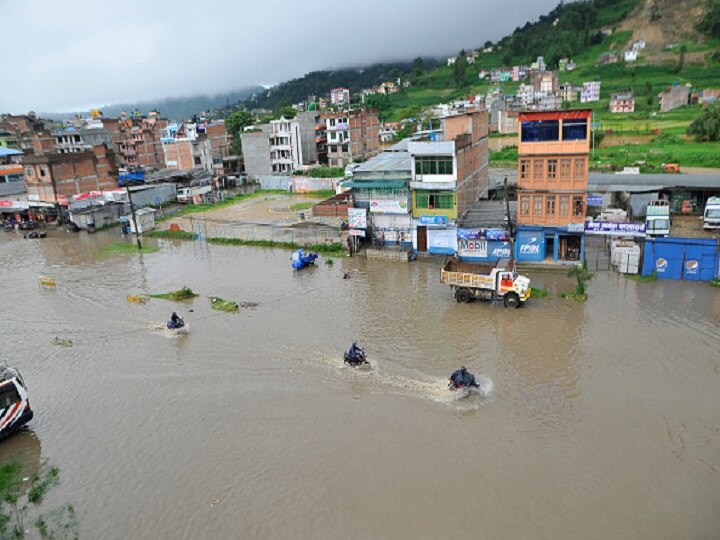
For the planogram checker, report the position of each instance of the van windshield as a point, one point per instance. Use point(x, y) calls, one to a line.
point(658, 224)
point(712, 213)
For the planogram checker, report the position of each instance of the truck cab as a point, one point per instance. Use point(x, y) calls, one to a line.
point(657, 218)
point(711, 215)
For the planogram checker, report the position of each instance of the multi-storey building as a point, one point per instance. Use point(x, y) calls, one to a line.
point(590, 92)
point(352, 135)
point(340, 97)
point(137, 140)
point(449, 173)
point(54, 178)
point(622, 102)
point(552, 184)
point(674, 97)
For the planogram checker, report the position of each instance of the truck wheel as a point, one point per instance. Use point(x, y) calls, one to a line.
point(463, 296)
point(511, 300)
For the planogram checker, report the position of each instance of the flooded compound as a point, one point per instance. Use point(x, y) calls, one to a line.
point(592, 420)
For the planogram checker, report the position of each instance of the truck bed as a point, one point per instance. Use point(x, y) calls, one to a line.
point(467, 274)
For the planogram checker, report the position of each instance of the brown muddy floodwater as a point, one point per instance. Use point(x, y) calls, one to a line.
point(599, 420)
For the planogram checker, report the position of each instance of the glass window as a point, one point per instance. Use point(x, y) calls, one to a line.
point(552, 168)
point(564, 205)
point(537, 205)
point(550, 205)
point(538, 169)
point(575, 130)
point(344, 147)
point(524, 168)
point(578, 206)
point(580, 169)
point(434, 200)
point(8, 396)
point(434, 165)
point(540, 130)
point(565, 169)
point(525, 205)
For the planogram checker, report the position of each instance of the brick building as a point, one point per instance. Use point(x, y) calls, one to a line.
point(54, 178)
point(137, 141)
point(553, 155)
point(674, 97)
point(351, 136)
point(449, 174)
point(622, 102)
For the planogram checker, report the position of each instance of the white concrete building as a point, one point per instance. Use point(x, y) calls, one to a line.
point(285, 148)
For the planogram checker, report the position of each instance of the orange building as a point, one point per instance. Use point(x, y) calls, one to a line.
point(553, 156)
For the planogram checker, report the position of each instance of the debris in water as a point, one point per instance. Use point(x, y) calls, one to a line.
point(47, 281)
point(251, 305)
point(62, 342)
point(223, 305)
point(214, 502)
point(137, 298)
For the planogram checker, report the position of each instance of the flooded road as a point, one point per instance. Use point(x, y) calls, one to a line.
point(596, 420)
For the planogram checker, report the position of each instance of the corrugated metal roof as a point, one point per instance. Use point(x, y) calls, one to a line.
point(487, 215)
point(9, 151)
point(386, 162)
point(639, 183)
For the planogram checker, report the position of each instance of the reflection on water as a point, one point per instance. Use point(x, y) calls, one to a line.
point(586, 411)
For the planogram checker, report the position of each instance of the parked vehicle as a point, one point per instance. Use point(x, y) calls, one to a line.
point(657, 218)
point(15, 409)
point(711, 215)
point(486, 282)
point(186, 195)
point(301, 260)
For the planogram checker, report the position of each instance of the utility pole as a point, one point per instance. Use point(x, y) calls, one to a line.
point(132, 213)
point(509, 220)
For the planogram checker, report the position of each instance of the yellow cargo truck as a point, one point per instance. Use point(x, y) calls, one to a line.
point(486, 282)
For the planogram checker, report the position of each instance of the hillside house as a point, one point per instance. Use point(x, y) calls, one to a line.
point(623, 102)
point(590, 92)
point(607, 58)
point(631, 55)
point(674, 97)
point(709, 95)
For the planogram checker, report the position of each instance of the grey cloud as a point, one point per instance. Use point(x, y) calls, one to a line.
point(72, 54)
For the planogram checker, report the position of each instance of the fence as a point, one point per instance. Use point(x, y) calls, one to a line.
point(301, 235)
point(597, 253)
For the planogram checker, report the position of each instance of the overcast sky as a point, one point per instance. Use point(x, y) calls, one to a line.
point(65, 55)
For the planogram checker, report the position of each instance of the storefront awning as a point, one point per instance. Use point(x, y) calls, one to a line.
point(375, 184)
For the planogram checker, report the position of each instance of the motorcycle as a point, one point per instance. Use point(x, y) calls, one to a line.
point(175, 325)
point(359, 360)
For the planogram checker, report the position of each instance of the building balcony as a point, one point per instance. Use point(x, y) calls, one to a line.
point(433, 185)
point(554, 147)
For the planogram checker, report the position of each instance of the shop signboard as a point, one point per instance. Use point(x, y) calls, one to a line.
point(386, 206)
point(433, 220)
point(475, 248)
point(357, 232)
point(442, 241)
point(613, 228)
point(485, 234)
point(595, 200)
point(357, 218)
point(530, 246)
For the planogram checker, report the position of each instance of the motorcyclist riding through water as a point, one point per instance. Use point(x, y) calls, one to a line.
point(355, 354)
point(462, 378)
point(175, 321)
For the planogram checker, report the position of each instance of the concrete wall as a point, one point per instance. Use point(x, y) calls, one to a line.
point(256, 150)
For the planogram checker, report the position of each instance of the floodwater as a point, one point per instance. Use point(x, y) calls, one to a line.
point(595, 420)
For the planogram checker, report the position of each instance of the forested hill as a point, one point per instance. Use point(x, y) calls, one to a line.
point(321, 82)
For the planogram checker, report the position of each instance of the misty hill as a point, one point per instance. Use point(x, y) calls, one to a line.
point(174, 108)
point(321, 82)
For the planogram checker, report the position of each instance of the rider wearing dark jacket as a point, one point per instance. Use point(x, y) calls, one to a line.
point(354, 351)
point(461, 378)
point(176, 320)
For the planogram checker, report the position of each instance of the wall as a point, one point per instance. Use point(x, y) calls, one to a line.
point(690, 259)
point(256, 150)
point(530, 244)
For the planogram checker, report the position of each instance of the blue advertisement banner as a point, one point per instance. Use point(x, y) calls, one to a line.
point(433, 220)
point(595, 200)
point(483, 234)
point(612, 228)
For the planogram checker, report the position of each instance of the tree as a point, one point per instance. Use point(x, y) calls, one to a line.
point(460, 69)
point(706, 127)
point(649, 93)
point(234, 125)
point(287, 112)
point(681, 59)
point(710, 23)
point(488, 44)
point(418, 66)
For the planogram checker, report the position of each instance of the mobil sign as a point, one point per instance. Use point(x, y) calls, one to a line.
point(483, 244)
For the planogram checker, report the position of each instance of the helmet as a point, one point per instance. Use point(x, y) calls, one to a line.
point(175, 314)
point(463, 369)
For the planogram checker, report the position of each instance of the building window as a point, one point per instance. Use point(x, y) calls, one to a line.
point(29, 171)
point(525, 205)
point(537, 205)
point(433, 165)
point(434, 200)
point(565, 169)
point(578, 206)
point(43, 172)
point(198, 161)
point(333, 148)
point(540, 130)
point(524, 168)
point(538, 169)
point(575, 130)
point(344, 147)
point(550, 205)
point(552, 168)
point(564, 205)
point(579, 169)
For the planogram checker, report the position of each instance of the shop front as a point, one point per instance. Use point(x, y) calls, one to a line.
point(550, 244)
point(435, 235)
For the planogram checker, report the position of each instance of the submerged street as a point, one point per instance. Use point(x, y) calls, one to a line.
point(596, 419)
